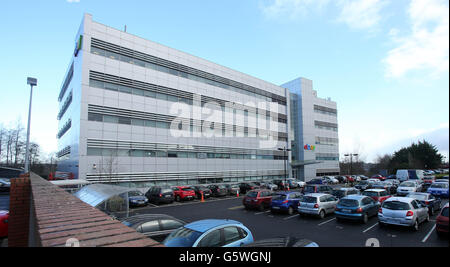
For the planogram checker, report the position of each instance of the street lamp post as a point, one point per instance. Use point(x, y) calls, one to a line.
point(351, 161)
point(32, 82)
point(285, 150)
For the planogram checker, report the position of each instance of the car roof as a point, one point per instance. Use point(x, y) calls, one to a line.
point(355, 197)
point(375, 190)
point(346, 188)
point(316, 195)
point(400, 199)
point(204, 225)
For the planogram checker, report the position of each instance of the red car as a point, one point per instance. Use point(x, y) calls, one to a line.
point(260, 199)
point(182, 193)
point(4, 216)
point(379, 177)
point(379, 195)
point(350, 179)
point(442, 222)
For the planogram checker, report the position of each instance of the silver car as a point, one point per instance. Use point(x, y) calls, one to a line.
point(317, 204)
point(269, 186)
point(403, 211)
point(408, 187)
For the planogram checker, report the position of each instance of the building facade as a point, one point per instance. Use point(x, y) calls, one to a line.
point(314, 131)
point(137, 113)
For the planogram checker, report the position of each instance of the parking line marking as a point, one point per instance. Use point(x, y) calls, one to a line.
point(370, 228)
point(428, 235)
point(288, 218)
point(236, 208)
point(259, 213)
point(327, 221)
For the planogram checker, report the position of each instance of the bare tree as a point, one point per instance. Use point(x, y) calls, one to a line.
point(2, 135)
point(108, 166)
point(18, 142)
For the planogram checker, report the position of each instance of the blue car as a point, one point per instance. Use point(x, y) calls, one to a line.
point(210, 233)
point(357, 207)
point(317, 181)
point(137, 199)
point(438, 189)
point(285, 201)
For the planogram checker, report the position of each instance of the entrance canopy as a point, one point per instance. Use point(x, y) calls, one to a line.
point(107, 198)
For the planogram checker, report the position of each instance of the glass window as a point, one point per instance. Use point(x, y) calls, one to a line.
point(231, 234)
point(136, 153)
point(150, 124)
point(211, 240)
point(125, 89)
point(94, 151)
point(97, 84)
point(110, 119)
point(161, 96)
point(95, 117)
point(172, 155)
point(112, 87)
point(150, 94)
point(172, 98)
point(138, 92)
point(137, 122)
point(162, 125)
point(161, 154)
point(123, 120)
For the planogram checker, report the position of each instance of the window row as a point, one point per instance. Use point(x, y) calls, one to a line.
point(64, 129)
point(325, 112)
point(107, 152)
point(328, 158)
point(166, 125)
point(334, 129)
point(145, 64)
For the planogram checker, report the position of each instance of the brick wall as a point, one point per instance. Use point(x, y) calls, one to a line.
point(56, 217)
point(19, 212)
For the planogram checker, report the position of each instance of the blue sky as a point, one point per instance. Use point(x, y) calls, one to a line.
point(384, 62)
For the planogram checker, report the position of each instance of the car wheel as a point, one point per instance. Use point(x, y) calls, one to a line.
point(416, 226)
point(290, 211)
point(322, 214)
point(431, 211)
point(365, 218)
point(261, 207)
point(178, 199)
point(428, 218)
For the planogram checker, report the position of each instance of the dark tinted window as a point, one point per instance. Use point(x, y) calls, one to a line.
point(445, 212)
point(135, 194)
point(349, 203)
point(252, 194)
point(164, 191)
point(396, 205)
point(211, 240)
point(308, 199)
point(231, 234)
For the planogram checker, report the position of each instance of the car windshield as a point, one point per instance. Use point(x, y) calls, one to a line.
point(418, 196)
point(310, 189)
point(183, 237)
point(221, 187)
point(396, 205)
point(348, 203)
point(309, 199)
point(370, 193)
point(187, 189)
point(164, 191)
point(407, 184)
point(439, 185)
point(363, 183)
point(252, 194)
point(279, 197)
point(135, 194)
point(339, 193)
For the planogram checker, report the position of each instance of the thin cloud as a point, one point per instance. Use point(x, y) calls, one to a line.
point(427, 46)
point(361, 14)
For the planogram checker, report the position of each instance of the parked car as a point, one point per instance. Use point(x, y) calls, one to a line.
point(292, 183)
point(158, 195)
point(281, 184)
point(379, 177)
point(259, 199)
point(386, 185)
point(4, 217)
point(210, 233)
point(317, 188)
point(357, 207)
point(442, 222)
point(342, 179)
point(317, 181)
point(154, 226)
point(372, 180)
point(245, 187)
point(433, 204)
point(218, 190)
point(317, 204)
point(350, 179)
point(5, 185)
point(403, 211)
point(439, 189)
point(363, 177)
point(137, 199)
point(183, 193)
point(379, 195)
point(232, 189)
point(330, 180)
point(407, 187)
point(364, 185)
point(283, 242)
point(343, 192)
point(285, 201)
point(269, 186)
point(202, 190)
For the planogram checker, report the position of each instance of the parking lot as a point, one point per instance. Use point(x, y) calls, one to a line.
point(326, 232)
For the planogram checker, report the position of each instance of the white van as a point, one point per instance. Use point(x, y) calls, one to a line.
point(405, 175)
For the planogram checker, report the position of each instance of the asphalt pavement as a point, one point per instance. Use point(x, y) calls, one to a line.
point(326, 232)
